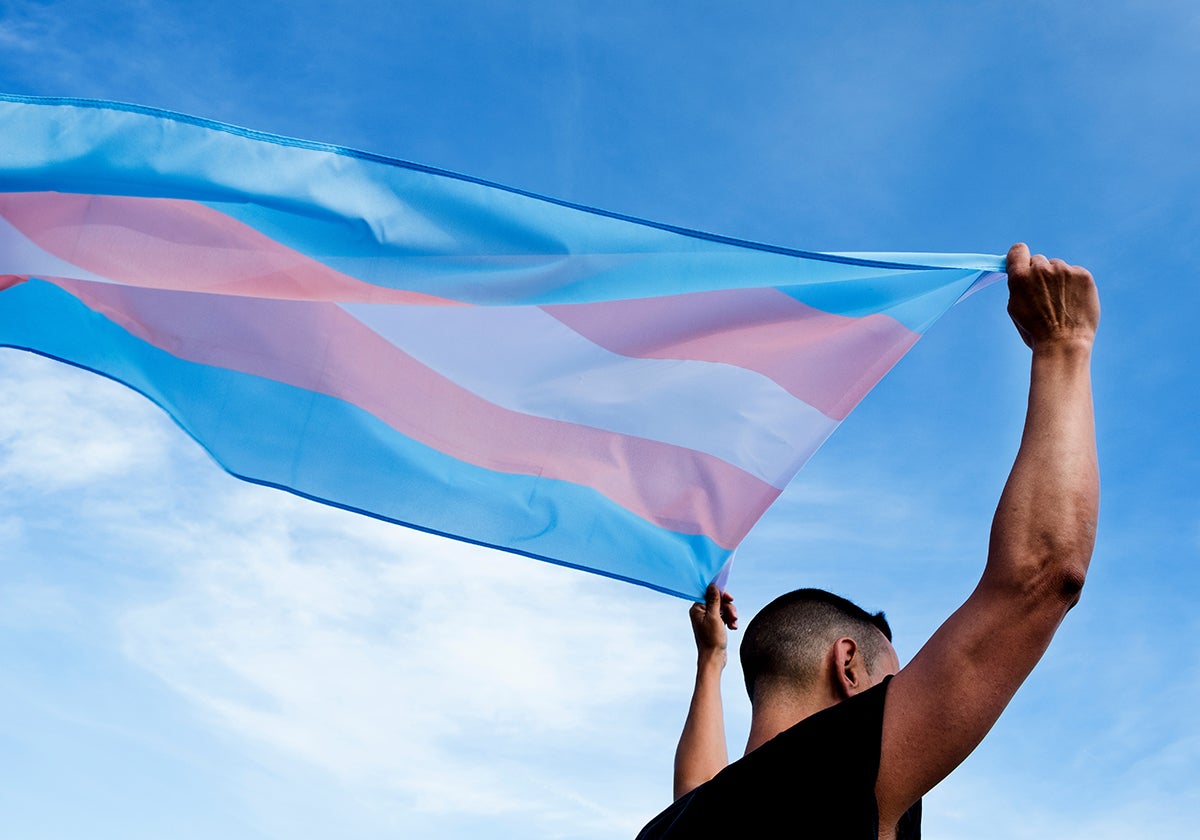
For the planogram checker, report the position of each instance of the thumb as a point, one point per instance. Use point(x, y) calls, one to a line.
point(1018, 260)
point(712, 599)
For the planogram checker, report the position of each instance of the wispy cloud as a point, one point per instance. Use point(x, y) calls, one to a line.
point(377, 655)
point(39, 451)
point(415, 674)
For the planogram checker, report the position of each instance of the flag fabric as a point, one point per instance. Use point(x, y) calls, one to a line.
point(445, 353)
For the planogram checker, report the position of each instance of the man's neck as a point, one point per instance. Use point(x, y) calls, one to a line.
point(776, 713)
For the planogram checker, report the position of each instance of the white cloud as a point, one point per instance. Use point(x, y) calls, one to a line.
point(418, 675)
point(61, 427)
point(423, 678)
point(420, 672)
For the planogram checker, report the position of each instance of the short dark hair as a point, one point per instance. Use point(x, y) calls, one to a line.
point(785, 642)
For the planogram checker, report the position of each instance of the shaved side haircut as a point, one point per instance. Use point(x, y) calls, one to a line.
point(786, 641)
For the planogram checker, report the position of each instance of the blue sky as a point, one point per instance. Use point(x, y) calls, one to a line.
point(185, 655)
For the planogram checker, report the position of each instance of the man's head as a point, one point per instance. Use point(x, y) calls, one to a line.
point(789, 642)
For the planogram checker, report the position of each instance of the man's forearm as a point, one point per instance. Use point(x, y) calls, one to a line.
point(1045, 524)
point(702, 753)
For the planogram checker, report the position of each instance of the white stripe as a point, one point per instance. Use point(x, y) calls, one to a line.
point(525, 360)
point(20, 256)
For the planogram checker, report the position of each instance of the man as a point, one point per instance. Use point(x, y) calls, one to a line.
point(843, 742)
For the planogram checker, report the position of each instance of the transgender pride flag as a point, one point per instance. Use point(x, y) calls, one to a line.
point(449, 354)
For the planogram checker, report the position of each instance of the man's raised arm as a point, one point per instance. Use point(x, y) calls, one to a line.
point(942, 703)
point(701, 753)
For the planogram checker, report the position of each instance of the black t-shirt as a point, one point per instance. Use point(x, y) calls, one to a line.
point(814, 781)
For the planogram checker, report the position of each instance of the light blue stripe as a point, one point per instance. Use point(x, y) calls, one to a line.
point(401, 225)
point(915, 299)
point(331, 451)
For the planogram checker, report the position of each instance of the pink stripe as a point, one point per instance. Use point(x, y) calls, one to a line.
point(829, 361)
point(167, 243)
point(320, 347)
point(7, 281)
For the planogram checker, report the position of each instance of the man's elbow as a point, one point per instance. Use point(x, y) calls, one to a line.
point(1070, 584)
point(1057, 576)
point(1044, 575)
point(1069, 562)
point(1046, 564)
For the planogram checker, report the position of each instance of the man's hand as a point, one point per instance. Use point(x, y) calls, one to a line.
point(1049, 300)
point(710, 619)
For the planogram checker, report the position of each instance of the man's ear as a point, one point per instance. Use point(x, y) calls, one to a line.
point(849, 669)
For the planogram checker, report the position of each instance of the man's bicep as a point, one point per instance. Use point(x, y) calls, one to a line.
point(940, 706)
